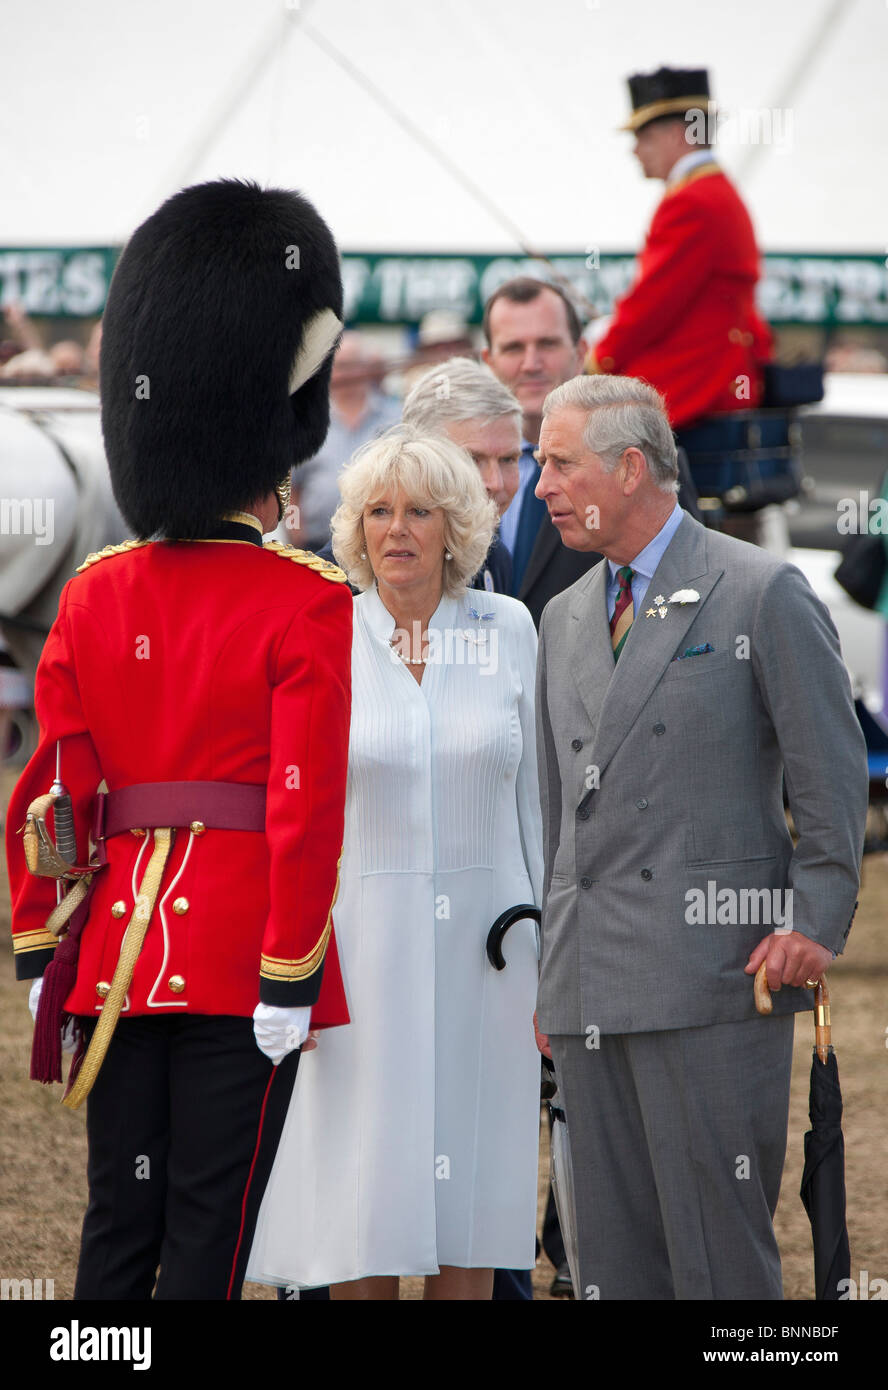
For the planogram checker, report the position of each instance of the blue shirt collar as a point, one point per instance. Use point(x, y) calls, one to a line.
point(647, 560)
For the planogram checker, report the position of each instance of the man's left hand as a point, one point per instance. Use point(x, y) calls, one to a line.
point(790, 959)
point(542, 1041)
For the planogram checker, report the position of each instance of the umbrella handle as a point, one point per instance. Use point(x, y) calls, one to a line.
point(822, 1029)
point(760, 991)
point(501, 926)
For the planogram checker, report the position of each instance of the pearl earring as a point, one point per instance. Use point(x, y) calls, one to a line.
point(363, 554)
point(447, 555)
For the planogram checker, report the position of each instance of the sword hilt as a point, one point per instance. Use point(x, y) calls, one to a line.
point(63, 822)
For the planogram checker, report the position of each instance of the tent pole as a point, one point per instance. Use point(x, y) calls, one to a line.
point(432, 148)
point(234, 95)
point(796, 78)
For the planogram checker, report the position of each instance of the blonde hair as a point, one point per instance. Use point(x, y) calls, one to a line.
point(433, 472)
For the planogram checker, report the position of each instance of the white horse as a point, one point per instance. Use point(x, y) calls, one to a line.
point(56, 506)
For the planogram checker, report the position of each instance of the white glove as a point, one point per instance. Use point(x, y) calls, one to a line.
point(69, 1039)
point(279, 1031)
point(34, 996)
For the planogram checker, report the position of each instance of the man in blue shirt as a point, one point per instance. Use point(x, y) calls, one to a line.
point(534, 343)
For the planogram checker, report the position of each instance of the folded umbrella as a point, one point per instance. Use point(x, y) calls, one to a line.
point(561, 1178)
point(823, 1177)
point(561, 1166)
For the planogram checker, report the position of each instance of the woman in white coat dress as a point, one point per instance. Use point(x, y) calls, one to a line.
point(412, 1138)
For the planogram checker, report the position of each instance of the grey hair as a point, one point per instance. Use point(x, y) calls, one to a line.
point(433, 472)
point(623, 413)
point(458, 389)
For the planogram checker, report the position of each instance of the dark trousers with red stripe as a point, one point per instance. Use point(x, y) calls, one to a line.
point(183, 1124)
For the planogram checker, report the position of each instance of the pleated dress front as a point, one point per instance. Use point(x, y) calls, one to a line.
point(412, 1135)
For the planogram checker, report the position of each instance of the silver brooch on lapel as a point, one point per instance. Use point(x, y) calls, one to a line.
point(478, 636)
point(680, 597)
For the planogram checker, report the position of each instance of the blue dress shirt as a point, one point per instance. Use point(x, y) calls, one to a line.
point(644, 564)
point(528, 469)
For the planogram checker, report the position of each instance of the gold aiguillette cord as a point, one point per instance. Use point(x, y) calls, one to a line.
point(69, 904)
point(131, 945)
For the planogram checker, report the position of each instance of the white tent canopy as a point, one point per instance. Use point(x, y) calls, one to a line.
point(111, 105)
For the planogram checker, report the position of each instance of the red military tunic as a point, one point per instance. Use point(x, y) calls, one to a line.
point(689, 324)
point(200, 661)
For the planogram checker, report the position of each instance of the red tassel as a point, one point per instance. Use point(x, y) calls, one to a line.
point(59, 980)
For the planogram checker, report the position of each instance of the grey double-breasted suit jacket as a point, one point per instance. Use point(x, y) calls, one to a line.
point(662, 776)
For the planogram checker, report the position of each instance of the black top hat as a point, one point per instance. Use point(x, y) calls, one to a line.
point(666, 92)
point(217, 345)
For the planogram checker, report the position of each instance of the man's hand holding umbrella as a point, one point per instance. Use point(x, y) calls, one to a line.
point(791, 958)
point(781, 959)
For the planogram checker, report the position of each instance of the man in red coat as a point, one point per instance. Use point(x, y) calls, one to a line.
point(689, 324)
point(204, 679)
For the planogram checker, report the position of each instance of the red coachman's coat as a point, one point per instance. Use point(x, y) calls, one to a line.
point(689, 324)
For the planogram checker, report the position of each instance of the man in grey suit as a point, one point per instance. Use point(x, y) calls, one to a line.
point(679, 681)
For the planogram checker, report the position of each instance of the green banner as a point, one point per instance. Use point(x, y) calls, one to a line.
point(64, 283)
point(817, 289)
point(820, 290)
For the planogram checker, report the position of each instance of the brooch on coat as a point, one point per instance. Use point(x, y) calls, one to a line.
point(478, 636)
point(681, 597)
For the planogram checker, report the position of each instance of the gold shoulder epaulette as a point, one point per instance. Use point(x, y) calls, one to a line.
point(325, 568)
point(96, 555)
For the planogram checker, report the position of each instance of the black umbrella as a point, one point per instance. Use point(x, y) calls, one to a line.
point(502, 924)
point(495, 955)
point(561, 1166)
point(823, 1178)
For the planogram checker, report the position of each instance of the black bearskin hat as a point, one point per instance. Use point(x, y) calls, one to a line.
point(217, 345)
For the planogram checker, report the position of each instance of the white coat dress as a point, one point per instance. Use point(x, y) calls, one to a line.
point(412, 1135)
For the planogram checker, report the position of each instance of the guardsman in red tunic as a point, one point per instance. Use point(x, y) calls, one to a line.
point(689, 323)
point(189, 784)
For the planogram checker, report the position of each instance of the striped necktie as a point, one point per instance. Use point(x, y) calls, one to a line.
point(624, 612)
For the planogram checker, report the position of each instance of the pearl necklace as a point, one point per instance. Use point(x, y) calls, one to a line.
point(408, 660)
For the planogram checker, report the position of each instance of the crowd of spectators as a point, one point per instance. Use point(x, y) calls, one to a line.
point(25, 358)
